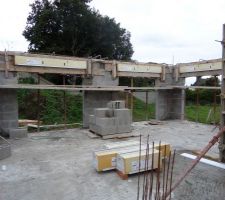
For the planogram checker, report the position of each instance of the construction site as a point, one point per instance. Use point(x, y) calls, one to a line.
point(130, 141)
point(59, 164)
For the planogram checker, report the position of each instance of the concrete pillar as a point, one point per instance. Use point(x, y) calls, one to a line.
point(170, 103)
point(9, 108)
point(98, 99)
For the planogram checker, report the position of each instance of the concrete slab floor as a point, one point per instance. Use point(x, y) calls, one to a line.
point(44, 166)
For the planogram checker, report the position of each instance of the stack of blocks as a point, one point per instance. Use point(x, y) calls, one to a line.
point(124, 156)
point(114, 119)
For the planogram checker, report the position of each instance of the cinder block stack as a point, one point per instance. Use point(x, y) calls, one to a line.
point(111, 120)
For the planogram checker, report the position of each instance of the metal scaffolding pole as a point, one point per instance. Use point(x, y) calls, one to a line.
point(222, 139)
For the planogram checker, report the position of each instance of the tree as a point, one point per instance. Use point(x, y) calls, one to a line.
point(71, 27)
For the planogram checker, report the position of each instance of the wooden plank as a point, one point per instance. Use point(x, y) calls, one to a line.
point(138, 74)
point(42, 70)
point(209, 65)
point(92, 135)
point(139, 68)
point(197, 87)
point(49, 62)
point(120, 135)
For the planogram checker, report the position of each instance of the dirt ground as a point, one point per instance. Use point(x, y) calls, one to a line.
point(58, 165)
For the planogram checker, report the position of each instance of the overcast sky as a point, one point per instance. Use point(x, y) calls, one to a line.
point(161, 30)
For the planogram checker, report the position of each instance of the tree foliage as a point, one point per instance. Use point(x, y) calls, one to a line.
point(71, 27)
point(206, 96)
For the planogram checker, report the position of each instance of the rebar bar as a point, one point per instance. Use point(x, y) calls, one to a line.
point(167, 175)
point(139, 167)
point(164, 170)
point(145, 169)
point(171, 174)
point(158, 174)
point(152, 175)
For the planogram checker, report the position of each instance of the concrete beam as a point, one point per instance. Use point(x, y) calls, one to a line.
point(201, 68)
point(38, 63)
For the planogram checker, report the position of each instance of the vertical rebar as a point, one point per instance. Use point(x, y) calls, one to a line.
point(146, 106)
point(127, 99)
point(171, 175)
point(167, 175)
point(158, 174)
point(64, 102)
point(139, 168)
point(152, 175)
point(146, 176)
point(214, 101)
point(145, 168)
point(197, 106)
point(132, 97)
point(6, 65)
point(164, 170)
point(38, 104)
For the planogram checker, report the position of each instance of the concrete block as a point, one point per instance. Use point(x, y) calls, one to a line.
point(108, 130)
point(110, 113)
point(8, 115)
point(123, 116)
point(121, 113)
point(18, 133)
point(11, 79)
point(94, 128)
point(104, 126)
point(124, 129)
point(5, 151)
point(100, 112)
point(104, 122)
point(8, 123)
point(91, 119)
point(116, 104)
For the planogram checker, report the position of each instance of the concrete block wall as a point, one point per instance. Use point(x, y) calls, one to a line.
point(8, 111)
point(9, 108)
point(170, 104)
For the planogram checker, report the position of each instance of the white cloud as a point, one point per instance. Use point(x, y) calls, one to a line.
point(161, 29)
point(13, 15)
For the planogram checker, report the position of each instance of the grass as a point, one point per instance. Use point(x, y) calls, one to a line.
point(200, 114)
point(192, 113)
point(51, 106)
point(52, 112)
point(140, 113)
